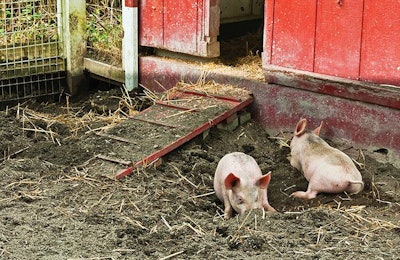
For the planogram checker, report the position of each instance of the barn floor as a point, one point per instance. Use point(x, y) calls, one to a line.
point(54, 206)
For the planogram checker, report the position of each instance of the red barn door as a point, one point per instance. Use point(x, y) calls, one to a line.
point(186, 26)
point(151, 23)
point(380, 55)
point(338, 38)
point(292, 33)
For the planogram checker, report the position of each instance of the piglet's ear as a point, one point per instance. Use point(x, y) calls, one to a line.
point(263, 182)
point(231, 181)
point(300, 127)
point(318, 129)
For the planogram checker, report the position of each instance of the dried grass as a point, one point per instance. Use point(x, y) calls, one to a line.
point(172, 255)
point(82, 176)
point(28, 196)
point(248, 67)
point(104, 30)
point(365, 224)
point(353, 223)
point(75, 120)
point(210, 88)
point(7, 155)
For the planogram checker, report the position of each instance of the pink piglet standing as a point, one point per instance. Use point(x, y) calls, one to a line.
point(326, 168)
point(239, 183)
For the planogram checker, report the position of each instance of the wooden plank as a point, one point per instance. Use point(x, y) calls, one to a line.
point(293, 34)
point(338, 38)
point(104, 70)
point(235, 107)
point(380, 55)
point(335, 86)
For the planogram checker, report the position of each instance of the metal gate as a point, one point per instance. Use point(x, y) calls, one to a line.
point(31, 60)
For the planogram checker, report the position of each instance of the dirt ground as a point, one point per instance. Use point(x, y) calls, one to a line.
point(56, 202)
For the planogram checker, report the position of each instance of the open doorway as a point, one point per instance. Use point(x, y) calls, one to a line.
point(241, 29)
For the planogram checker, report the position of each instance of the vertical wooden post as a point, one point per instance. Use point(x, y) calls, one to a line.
point(130, 43)
point(74, 42)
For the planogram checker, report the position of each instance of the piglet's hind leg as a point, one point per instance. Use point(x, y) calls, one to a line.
point(309, 194)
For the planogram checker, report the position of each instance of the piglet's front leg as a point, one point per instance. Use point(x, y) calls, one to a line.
point(228, 207)
point(264, 201)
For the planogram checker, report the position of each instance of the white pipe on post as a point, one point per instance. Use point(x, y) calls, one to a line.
point(130, 43)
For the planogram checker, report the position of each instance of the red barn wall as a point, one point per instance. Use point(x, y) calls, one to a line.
point(350, 39)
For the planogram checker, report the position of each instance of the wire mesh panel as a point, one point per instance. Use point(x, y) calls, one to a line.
point(31, 63)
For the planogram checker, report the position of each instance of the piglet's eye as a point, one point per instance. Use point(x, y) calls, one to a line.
point(240, 200)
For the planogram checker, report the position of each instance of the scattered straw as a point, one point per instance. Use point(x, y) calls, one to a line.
point(276, 250)
point(9, 156)
point(203, 195)
point(199, 230)
point(101, 199)
point(124, 250)
point(30, 196)
point(43, 123)
point(384, 201)
point(82, 177)
point(360, 165)
point(181, 113)
point(212, 88)
point(158, 83)
point(166, 223)
point(22, 182)
point(290, 187)
point(375, 190)
point(183, 177)
point(281, 141)
point(366, 224)
point(134, 222)
point(236, 236)
point(172, 255)
point(150, 94)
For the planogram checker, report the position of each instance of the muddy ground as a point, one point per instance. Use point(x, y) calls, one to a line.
point(57, 203)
